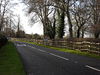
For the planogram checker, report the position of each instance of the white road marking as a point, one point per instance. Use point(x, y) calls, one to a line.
point(38, 49)
point(51, 54)
point(29, 46)
point(42, 50)
point(33, 47)
point(92, 68)
point(58, 56)
point(21, 45)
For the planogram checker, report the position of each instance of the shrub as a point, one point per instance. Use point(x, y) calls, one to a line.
point(3, 40)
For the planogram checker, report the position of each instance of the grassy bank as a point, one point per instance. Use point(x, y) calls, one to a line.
point(67, 50)
point(10, 63)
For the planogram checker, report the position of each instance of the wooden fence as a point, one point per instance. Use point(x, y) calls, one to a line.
point(87, 45)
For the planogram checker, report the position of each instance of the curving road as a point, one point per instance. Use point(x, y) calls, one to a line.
point(44, 61)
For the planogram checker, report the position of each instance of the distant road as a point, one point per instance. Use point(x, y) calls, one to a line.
point(43, 61)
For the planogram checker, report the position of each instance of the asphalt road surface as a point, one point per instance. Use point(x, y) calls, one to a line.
point(44, 61)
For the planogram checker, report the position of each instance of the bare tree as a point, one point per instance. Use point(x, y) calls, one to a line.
point(81, 13)
point(95, 4)
point(39, 8)
point(5, 10)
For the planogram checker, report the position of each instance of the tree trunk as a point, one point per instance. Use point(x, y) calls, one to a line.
point(82, 34)
point(61, 26)
point(54, 28)
point(78, 33)
point(0, 28)
point(96, 35)
point(70, 23)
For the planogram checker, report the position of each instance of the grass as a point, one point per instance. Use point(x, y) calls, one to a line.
point(10, 63)
point(78, 52)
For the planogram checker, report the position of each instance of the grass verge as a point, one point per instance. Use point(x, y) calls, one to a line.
point(10, 63)
point(78, 52)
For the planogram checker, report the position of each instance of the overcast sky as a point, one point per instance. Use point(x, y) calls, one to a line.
point(19, 9)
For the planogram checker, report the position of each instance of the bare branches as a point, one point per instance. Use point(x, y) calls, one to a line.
point(79, 13)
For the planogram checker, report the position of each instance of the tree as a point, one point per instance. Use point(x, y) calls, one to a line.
point(36, 36)
point(95, 21)
point(96, 30)
point(20, 33)
point(9, 26)
point(64, 5)
point(52, 13)
point(6, 18)
point(39, 8)
point(61, 23)
point(82, 14)
point(4, 4)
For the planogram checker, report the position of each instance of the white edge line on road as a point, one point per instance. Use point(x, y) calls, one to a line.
point(42, 50)
point(21, 45)
point(92, 68)
point(58, 56)
point(51, 53)
point(61, 57)
point(38, 49)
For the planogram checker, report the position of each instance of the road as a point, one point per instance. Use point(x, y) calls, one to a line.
point(44, 61)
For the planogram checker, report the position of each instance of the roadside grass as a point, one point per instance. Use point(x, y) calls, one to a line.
point(10, 63)
point(78, 52)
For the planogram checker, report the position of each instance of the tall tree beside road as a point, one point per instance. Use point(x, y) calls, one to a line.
point(95, 4)
point(81, 14)
point(7, 25)
point(60, 20)
point(64, 6)
point(39, 8)
point(60, 23)
point(20, 33)
point(4, 8)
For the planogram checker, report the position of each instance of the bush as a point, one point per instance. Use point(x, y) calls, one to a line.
point(3, 40)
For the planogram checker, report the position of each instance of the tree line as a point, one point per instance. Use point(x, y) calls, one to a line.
point(80, 16)
point(10, 25)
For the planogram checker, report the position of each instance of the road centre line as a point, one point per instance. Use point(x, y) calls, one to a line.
point(92, 68)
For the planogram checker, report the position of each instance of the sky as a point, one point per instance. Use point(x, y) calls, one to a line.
point(20, 9)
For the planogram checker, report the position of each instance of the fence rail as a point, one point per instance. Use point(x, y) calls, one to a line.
point(86, 45)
